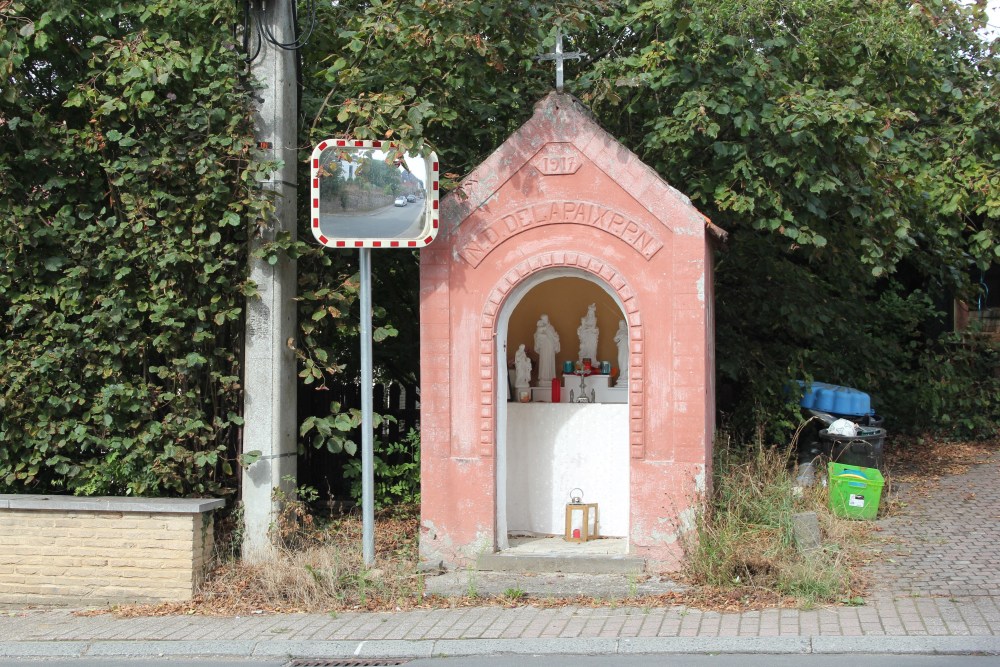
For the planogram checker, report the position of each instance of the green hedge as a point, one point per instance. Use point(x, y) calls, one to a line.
point(128, 184)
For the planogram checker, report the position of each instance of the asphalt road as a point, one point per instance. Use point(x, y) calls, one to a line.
point(391, 222)
point(651, 660)
point(756, 660)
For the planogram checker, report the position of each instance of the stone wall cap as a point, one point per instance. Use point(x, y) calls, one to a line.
point(109, 504)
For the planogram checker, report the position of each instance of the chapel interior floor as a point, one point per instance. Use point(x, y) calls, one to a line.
point(552, 545)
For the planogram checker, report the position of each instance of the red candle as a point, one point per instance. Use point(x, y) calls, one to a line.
point(556, 390)
point(576, 533)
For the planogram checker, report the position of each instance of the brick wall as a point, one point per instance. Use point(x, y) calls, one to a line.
point(135, 552)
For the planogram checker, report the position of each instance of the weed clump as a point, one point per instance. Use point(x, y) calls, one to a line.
point(744, 537)
point(318, 566)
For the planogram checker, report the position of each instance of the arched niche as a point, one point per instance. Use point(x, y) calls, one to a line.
point(549, 449)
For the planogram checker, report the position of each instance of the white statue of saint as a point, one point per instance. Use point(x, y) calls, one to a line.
point(522, 368)
point(621, 340)
point(546, 347)
point(587, 331)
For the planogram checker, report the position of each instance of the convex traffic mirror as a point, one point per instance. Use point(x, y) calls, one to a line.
point(368, 194)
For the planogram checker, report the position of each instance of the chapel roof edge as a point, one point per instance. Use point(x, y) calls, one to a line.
point(555, 97)
point(483, 182)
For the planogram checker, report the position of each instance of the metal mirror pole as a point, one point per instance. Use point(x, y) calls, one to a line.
point(367, 453)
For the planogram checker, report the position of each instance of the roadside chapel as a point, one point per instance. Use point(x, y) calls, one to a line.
point(567, 350)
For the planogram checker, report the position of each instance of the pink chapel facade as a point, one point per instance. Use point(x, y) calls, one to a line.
point(562, 198)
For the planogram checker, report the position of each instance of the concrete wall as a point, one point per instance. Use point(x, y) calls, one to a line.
point(98, 551)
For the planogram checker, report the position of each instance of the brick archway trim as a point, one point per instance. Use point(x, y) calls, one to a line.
point(487, 341)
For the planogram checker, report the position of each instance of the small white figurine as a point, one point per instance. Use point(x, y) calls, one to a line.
point(546, 347)
point(621, 340)
point(588, 333)
point(522, 368)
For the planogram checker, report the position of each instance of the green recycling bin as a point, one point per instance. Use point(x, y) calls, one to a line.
point(855, 492)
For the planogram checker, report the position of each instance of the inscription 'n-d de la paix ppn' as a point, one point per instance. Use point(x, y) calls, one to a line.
point(488, 237)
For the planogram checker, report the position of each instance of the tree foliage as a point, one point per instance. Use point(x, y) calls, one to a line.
point(871, 124)
point(457, 76)
point(850, 148)
point(128, 194)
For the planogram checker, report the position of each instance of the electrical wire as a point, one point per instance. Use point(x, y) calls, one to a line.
point(984, 294)
point(248, 34)
point(256, 28)
point(300, 40)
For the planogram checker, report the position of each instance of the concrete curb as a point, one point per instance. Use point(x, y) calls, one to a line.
point(926, 645)
point(27, 649)
point(932, 645)
point(180, 648)
point(401, 648)
point(759, 645)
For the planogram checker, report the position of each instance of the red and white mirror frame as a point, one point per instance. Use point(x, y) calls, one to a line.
point(367, 194)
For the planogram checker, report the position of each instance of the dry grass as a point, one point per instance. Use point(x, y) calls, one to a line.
point(846, 543)
point(745, 539)
point(319, 568)
point(745, 558)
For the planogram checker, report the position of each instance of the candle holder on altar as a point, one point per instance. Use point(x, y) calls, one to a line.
point(581, 519)
point(582, 397)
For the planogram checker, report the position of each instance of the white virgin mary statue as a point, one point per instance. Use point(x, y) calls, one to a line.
point(588, 332)
point(621, 340)
point(546, 347)
point(522, 368)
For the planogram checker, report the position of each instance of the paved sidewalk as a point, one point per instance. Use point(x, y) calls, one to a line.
point(940, 595)
point(886, 624)
point(946, 541)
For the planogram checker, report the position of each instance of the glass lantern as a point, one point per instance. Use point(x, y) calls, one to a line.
point(581, 519)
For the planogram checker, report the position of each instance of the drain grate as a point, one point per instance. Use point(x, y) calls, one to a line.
point(349, 662)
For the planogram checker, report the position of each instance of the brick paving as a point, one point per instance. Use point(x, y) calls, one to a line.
point(884, 615)
point(940, 582)
point(946, 540)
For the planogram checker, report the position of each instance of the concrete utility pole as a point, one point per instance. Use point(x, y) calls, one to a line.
point(269, 373)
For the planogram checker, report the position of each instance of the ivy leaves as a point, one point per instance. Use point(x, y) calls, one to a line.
point(128, 175)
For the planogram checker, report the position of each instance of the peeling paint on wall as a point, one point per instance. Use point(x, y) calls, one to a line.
point(699, 480)
point(676, 527)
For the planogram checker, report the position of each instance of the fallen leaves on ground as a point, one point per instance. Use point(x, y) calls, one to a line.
point(232, 588)
point(914, 459)
point(701, 598)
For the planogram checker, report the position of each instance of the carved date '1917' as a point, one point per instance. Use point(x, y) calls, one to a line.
point(558, 164)
point(558, 160)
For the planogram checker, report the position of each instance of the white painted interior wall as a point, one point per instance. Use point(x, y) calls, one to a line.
point(552, 448)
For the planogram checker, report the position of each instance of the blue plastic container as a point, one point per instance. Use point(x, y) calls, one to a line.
point(835, 399)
